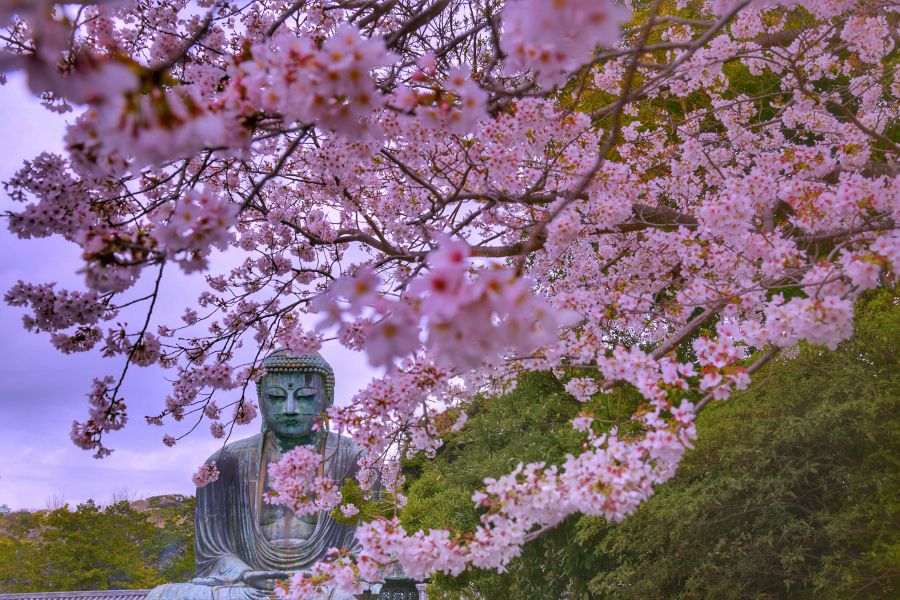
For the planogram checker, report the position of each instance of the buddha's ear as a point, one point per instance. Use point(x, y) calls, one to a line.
point(327, 398)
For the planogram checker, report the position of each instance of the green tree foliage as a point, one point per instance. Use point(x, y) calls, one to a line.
point(173, 516)
point(529, 424)
point(792, 491)
point(97, 548)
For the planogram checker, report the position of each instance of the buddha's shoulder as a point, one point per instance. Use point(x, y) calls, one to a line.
point(344, 443)
point(250, 447)
point(238, 448)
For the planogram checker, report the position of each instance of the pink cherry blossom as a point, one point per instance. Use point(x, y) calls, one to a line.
point(205, 475)
point(371, 183)
point(554, 38)
point(199, 220)
point(359, 290)
point(297, 484)
point(582, 388)
point(393, 337)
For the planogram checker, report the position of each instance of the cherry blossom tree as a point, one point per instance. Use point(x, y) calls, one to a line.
point(657, 195)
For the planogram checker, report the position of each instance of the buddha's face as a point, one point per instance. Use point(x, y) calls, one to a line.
point(291, 401)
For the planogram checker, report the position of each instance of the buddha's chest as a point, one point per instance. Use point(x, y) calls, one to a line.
point(278, 523)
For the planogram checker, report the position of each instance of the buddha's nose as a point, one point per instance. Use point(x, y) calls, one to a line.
point(290, 405)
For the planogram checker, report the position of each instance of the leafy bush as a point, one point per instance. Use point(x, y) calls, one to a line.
point(98, 548)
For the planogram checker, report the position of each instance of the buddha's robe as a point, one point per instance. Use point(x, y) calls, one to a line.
point(236, 530)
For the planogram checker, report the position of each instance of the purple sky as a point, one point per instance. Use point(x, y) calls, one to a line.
point(42, 391)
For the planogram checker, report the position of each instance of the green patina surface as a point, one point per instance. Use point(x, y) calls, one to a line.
point(244, 544)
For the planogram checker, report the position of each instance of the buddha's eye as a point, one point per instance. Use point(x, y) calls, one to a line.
point(274, 397)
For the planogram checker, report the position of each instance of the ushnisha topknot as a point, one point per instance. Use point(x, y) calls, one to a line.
point(282, 361)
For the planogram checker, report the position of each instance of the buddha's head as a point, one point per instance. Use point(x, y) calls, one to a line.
point(293, 391)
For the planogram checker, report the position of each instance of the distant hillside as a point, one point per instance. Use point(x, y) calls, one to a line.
point(125, 545)
point(167, 510)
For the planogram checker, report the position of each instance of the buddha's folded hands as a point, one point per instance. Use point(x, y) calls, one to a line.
point(263, 580)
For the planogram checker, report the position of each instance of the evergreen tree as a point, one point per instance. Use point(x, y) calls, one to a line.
point(791, 492)
point(97, 548)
